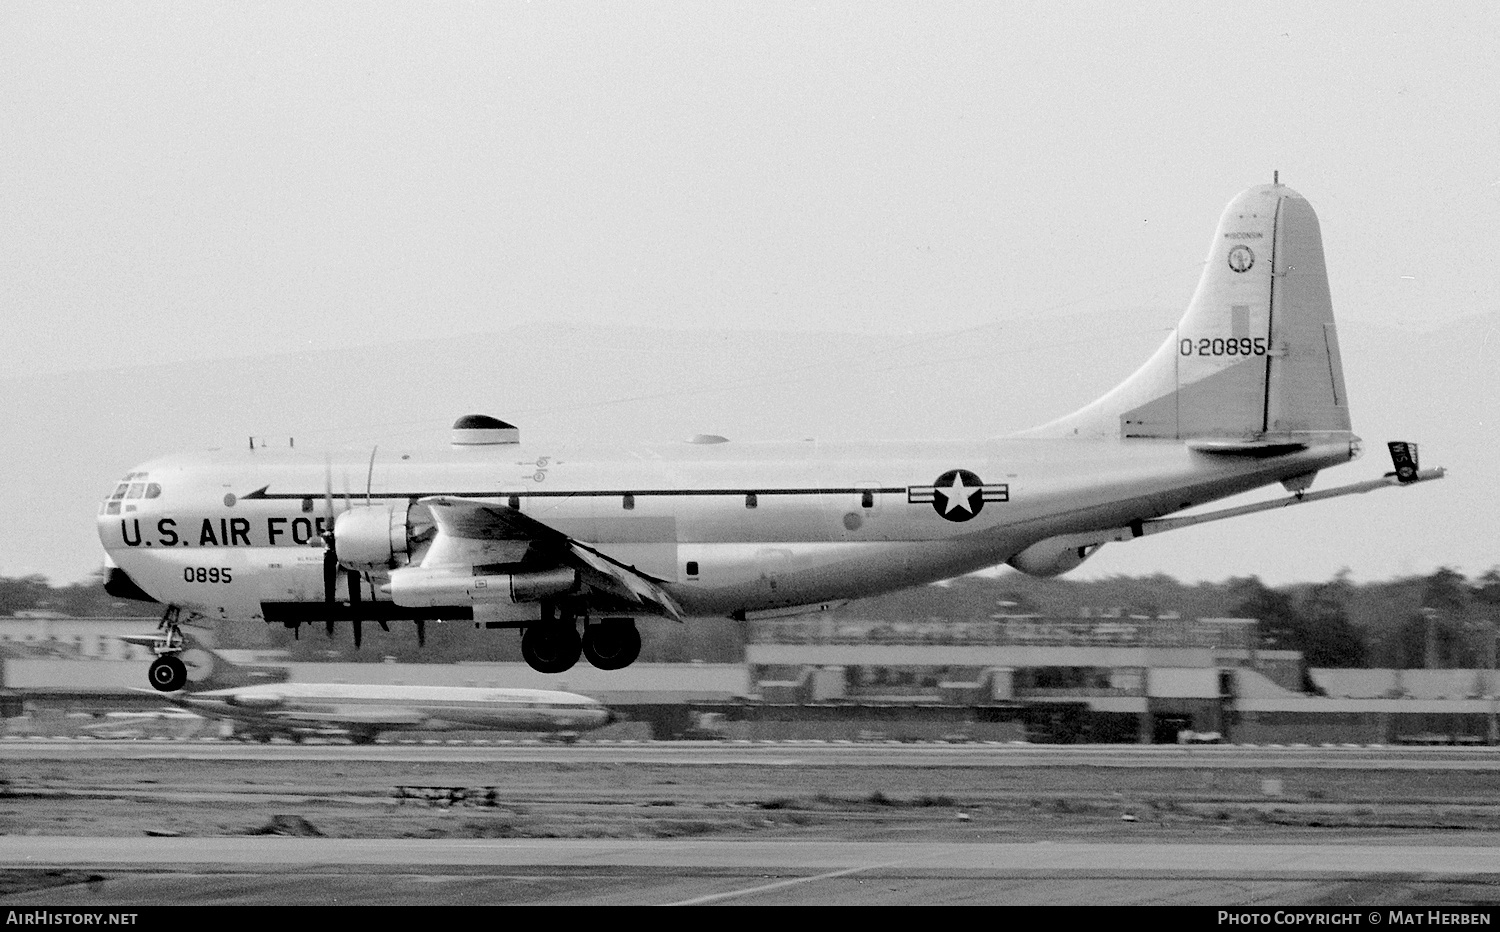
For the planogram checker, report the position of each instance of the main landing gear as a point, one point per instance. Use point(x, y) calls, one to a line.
point(612, 644)
point(168, 673)
point(554, 645)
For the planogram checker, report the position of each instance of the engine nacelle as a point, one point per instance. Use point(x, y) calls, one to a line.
point(416, 587)
point(1054, 556)
point(257, 700)
point(371, 537)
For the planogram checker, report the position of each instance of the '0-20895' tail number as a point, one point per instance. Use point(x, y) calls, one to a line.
point(206, 574)
point(1220, 346)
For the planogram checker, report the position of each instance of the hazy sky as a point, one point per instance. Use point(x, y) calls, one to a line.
point(189, 181)
point(182, 179)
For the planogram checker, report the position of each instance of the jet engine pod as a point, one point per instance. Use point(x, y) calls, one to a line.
point(371, 536)
point(256, 700)
point(1054, 556)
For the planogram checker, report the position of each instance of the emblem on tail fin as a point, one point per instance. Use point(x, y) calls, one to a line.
point(1241, 258)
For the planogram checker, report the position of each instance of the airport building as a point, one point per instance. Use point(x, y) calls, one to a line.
point(48, 633)
point(1103, 677)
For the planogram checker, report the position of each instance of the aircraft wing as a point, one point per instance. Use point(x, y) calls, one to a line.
point(489, 522)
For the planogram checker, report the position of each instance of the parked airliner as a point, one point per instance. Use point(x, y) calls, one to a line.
point(572, 544)
point(361, 711)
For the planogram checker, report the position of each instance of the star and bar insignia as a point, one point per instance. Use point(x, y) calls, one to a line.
point(958, 494)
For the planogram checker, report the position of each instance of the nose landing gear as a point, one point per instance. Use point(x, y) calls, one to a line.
point(167, 672)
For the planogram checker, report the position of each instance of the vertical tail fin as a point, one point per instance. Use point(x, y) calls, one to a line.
point(1256, 355)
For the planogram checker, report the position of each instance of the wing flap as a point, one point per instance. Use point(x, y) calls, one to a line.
point(491, 522)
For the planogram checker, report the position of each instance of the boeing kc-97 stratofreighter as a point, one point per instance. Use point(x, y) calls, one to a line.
point(573, 544)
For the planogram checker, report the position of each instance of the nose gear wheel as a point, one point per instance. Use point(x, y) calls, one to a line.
point(168, 673)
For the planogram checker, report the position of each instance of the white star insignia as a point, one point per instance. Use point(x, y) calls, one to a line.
point(957, 494)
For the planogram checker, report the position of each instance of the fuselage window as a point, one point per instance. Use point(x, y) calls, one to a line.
point(692, 567)
point(629, 501)
point(751, 500)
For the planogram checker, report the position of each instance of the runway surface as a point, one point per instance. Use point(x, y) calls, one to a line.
point(429, 872)
point(789, 754)
point(1056, 854)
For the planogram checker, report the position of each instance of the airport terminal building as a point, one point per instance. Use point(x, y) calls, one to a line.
point(1104, 677)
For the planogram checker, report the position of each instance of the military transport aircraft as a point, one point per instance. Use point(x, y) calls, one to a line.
point(573, 544)
point(262, 709)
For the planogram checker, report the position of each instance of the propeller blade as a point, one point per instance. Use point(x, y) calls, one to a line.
point(328, 493)
point(330, 573)
point(330, 576)
point(330, 550)
point(354, 606)
point(370, 475)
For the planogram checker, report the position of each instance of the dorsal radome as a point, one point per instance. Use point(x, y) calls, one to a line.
point(473, 430)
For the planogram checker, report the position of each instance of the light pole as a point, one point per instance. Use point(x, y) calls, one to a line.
point(1489, 637)
point(1429, 650)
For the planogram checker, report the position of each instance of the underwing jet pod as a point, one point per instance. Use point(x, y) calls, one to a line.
point(573, 544)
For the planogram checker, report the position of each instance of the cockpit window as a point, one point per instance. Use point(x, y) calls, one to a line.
point(120, 490)
point(136, 490)
point(153, 490)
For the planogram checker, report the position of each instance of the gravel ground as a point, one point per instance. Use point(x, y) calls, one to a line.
point(361, 799)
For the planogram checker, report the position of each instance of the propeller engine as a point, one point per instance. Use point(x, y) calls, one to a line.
point(367, 538)
point(359, 540)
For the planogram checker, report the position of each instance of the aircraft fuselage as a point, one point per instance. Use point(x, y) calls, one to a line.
point(726, 527)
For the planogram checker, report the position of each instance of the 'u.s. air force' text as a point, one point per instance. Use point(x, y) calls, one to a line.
point(223, 532)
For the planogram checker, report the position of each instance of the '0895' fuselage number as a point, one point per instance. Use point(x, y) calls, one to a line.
point(1223, 346)
point(206, 574)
